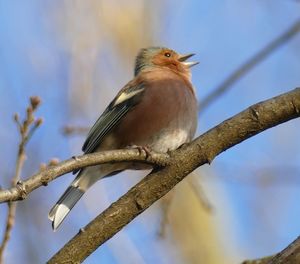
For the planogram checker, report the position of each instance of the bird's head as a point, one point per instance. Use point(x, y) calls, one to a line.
point(163, 58)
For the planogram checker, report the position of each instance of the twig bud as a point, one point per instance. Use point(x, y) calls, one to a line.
point(53, 161)
point(39, 121)
point(17, 117)
point(35, 101)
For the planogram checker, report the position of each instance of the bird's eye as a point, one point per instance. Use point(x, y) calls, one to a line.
point(168, 54)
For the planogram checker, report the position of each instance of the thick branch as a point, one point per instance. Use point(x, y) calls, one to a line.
point(290, 255)
point(204, 149)
point(45, 176)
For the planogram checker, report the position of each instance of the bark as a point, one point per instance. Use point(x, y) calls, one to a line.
point(290, 255)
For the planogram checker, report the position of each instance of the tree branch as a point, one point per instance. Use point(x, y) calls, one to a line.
point(26, 129)
point(183, 161)
point(22, 189)
point(290, 255)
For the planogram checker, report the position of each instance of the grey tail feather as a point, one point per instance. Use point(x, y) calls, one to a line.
point(64, 205)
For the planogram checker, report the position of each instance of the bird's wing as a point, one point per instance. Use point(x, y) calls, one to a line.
point(128, 97)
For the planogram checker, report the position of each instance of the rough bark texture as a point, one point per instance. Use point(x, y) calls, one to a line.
point(290, 255)
point(204, 149)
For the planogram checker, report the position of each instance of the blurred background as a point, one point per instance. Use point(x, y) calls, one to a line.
point(76, 55)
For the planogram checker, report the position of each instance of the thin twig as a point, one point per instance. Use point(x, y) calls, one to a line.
point(12, 205)
point(26, 129)
point(49, 173)
point(249, 65)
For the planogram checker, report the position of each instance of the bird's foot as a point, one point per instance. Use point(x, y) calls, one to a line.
point(146, 149)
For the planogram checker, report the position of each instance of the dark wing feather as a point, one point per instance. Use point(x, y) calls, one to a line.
point(103, 125)
point(123, 102)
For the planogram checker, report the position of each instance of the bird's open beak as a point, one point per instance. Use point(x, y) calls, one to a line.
point(189, 64)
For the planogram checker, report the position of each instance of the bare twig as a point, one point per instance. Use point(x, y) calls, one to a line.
point(26, 129)
point(48, 174)
point(183, 161)
point(249, 65)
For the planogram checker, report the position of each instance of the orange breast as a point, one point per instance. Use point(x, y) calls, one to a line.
point(168, 103)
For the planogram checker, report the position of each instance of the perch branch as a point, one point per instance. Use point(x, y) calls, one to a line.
point(183, 161)
point(47, 175)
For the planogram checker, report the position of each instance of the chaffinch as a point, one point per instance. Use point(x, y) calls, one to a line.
point(157, 109)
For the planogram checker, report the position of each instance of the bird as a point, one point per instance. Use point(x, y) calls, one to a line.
point(156, 110)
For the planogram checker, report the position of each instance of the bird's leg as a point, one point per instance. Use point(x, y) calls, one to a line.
point(146, 149)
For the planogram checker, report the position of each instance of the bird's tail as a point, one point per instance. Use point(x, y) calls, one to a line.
point(64, 205)
point(85, 179)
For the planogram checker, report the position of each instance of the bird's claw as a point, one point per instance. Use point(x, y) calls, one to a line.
point(142, 149)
